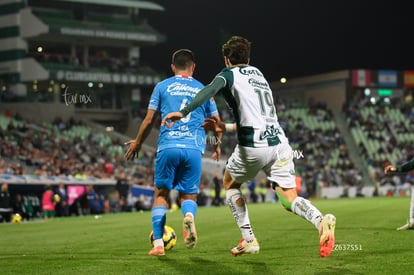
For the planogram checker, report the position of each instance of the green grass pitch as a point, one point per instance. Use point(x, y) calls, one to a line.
point(366, 237)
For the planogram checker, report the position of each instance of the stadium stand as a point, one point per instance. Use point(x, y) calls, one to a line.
point(71, 59)
point(383, 131)
point(322, 157)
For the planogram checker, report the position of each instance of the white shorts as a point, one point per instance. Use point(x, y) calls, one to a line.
point(276, 161)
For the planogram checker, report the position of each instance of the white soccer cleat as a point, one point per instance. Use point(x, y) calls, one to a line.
point(189, 232)
point(406, 226)
point(327, 235)
point(246, 248)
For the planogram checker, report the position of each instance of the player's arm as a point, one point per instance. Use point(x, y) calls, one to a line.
point(405, 167)
point(217, 144)
point(143, 132)
point(211, 124)
point(205, 94)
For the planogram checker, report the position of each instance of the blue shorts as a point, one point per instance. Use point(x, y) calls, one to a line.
point(179, 169)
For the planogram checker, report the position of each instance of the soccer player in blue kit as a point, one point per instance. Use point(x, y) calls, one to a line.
point(178, 162)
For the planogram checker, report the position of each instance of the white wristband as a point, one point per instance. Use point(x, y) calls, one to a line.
point(229, 127)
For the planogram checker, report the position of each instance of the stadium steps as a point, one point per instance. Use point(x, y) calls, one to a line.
point(339, 117)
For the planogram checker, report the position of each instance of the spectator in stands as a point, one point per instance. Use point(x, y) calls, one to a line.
point(217, 201)
point(114, 202)
point(62, 206)
point(352, 178)
point(48, 205)
point(5, 206)
point(19, 207)
point(252, 191)
point(143, 202)
point(95, 201)
point(202, 198)
point(109, 166)
point(262, 190)
point(131, 202)
point(122, 186)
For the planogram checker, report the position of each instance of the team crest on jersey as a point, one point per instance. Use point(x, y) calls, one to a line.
point(271, 135)
point(270, 131)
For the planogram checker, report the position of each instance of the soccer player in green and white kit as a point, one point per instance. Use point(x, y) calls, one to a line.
point(262, 145)
point(403, 168)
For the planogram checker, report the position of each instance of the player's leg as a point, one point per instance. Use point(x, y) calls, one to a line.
point(234, 198)
point(298, 205)
point(282, 175)
point(238, 170)
point(163, 179)
point(305, 209)
point(158, 218)
point(189, 210)
point(188, 183)
point(410, 222)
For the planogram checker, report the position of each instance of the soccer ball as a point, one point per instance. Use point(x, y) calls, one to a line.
point(56, 198)
point(169, 237)
point(16, 218)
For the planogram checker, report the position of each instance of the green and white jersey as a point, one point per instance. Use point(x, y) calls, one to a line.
point(249, 95)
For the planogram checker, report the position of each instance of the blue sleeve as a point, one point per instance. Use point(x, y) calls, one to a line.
point(211, 108)
point(155, 100)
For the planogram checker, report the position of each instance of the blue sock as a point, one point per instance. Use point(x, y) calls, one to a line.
point(189, 206)
point(158, 215)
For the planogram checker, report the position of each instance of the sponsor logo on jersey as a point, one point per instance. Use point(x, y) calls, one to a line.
point(180, 134)
point(258, 84)
point(250, 71)
point(182, 89)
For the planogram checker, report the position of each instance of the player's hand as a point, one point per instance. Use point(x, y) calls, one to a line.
point(133, 149)
point(172, 117)
point(389, 169)
point(211, 124)
point(217, 153)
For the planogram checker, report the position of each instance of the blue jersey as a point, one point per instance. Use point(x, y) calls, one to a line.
point(171, 95)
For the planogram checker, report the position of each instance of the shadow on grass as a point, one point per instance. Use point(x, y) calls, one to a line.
point(337, 270)
point(198, 265)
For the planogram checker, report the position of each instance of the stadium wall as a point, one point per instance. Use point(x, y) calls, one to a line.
point(328, 87)
point(367, 191)
point(40, 111)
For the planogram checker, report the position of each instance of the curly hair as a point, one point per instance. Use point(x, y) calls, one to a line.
point(237, 50)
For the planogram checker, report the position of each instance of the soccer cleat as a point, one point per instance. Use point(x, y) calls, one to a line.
point(246, 248)
point(406, 226)
point(189, 232)
point(327, 235)
point(157, 251)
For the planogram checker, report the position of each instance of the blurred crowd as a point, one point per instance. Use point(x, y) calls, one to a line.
point(388, 128)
